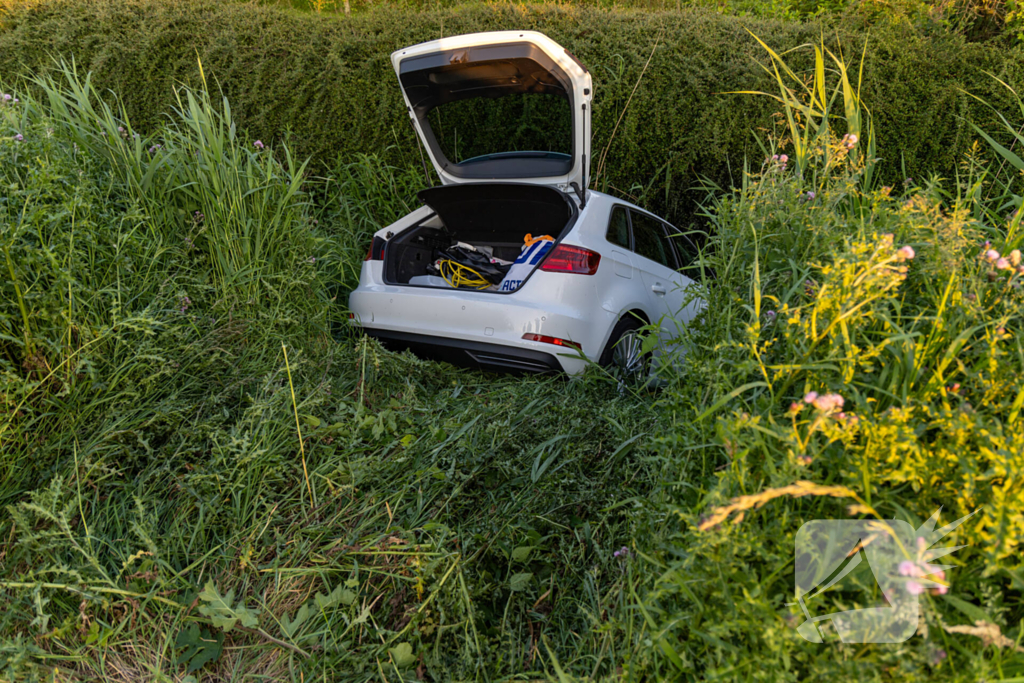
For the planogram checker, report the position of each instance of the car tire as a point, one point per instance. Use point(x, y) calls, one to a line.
point(623, 355)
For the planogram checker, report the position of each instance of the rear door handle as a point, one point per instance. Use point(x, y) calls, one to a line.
point(657, 289)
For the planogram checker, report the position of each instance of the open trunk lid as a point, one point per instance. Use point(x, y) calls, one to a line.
point(512, 106)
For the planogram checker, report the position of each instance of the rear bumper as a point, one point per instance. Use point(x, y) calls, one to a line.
point(482, 356)
point(551, 304)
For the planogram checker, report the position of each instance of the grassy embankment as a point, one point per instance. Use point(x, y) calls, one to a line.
point(180, 495)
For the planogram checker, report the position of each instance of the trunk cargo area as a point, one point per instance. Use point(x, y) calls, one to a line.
point(495, 218)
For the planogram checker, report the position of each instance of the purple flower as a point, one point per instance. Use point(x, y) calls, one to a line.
point(811, 195)
point(991, 255)
point(19, 137)
point(770, 315)
point(621, 553)
point(811, 397)
point(154, 148)
point(906, 253)
point(1003, 264)
point(198, 217)
point(258, 144)
point(783, 158)
point(312, 259)
point(6, 97)
point(184, 303)
point(914, 588)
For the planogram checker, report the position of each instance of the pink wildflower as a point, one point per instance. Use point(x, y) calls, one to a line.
point(828, 402)
point(908, 568)
point(906, 252)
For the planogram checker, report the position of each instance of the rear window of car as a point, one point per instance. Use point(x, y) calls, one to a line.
point(476, 127)
point(618, 228)
point(650, 240)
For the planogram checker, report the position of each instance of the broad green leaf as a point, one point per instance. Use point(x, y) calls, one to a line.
point(362, 618)
point(649, 343)
point(522, 553)
point(200, 647)
point(221, 613)
point(402, 655)
point(291, 627)
point(320, 602)
point(520, 581)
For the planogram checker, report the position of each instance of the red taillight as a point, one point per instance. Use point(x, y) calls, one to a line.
point(568, 259)
point(552, 340)
point(376, 251)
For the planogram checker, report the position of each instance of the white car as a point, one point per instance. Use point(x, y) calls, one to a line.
point(603, 268)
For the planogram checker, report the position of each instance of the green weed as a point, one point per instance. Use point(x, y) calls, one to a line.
point(180, 499)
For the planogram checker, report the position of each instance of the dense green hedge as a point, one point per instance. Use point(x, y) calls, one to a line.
point(328, 80)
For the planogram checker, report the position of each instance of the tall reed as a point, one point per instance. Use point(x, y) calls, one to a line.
point(198, 179)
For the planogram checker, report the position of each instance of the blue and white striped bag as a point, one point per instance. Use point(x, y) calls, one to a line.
point(524, 265)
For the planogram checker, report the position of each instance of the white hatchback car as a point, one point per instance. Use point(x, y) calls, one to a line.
point(602, 268)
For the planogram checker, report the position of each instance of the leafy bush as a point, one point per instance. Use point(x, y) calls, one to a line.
point(975, 19)
point(328, 80)
point(864, 340)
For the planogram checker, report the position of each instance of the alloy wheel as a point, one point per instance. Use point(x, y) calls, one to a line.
point(629, 360)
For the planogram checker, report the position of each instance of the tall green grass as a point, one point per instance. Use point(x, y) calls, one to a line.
point(162, 518)
point(157, 518)
point(198, 179)
point(907, 303)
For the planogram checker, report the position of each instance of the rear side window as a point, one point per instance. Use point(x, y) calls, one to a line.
point(618, 228)
point(686, 250)
point(650, 240)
